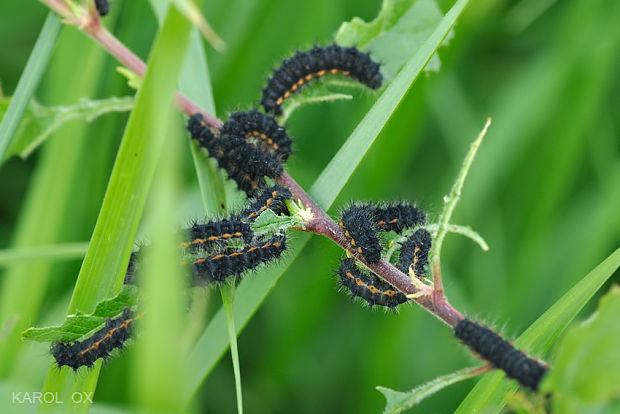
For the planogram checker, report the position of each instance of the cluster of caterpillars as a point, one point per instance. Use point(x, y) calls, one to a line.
point(216, 258)
point(251, 147)
point(361, 225)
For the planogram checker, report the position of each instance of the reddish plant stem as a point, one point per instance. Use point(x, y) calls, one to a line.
point(321, 224)
point(92, 27)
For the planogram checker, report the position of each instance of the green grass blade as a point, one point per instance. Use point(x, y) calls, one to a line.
point(159, 368)
point(29, 80)
point(337, 173)
point(228, 297)
point(249, 295)
point(195, 83)
point(47, 211)
point(252, 291)
point(101, 275)
point(489, 394)
point(64, 251)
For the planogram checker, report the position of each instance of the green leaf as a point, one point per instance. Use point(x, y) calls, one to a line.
point(228, 297)
point(105, 263)
point(191, 11)
point(80, 324)
point(39, 122)
point(585, 375)
point(402, 26)
point(398, 401)
point(195, 83)
point(489, 394)
point(253, 290)
point(29, 80)
point(334, 177)
point(61, 251)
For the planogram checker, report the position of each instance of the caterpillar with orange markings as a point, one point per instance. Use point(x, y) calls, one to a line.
point(296, 72)
point(113, 335)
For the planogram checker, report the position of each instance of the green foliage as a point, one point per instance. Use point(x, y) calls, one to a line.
point(28, 81)
point(543, 191)
point(397, 401)
point(105, 263)
point(81, 324)
point(401, 27)
point(586, 370)
point(39, 122)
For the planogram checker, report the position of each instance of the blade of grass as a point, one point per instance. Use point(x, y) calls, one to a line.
point(101, 275)
point(195, 83)
point(252, 291)
point(44, 217)
point(333, 178)
point(228, 297)
point(489, 394)
point(159, 368)
point(63, 251)
point(30, 78)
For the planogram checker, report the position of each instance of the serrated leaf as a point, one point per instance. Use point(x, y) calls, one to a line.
point(401, 28)
point(39, 122)
point(585, 375)
point(397, 401)
point(79, 325)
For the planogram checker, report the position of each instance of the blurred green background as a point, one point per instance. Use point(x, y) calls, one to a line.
point(544, 191)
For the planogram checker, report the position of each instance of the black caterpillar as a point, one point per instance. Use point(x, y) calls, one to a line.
point(249, 147)
point(84, 353)
point(414, 251)
point(358, 228)
point(294, 73)
point(368, 286)
point(220, 266)
point(203, 235)
point(500, 353)
point(103, 7)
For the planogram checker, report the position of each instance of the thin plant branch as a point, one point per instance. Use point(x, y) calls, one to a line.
point(450, 202)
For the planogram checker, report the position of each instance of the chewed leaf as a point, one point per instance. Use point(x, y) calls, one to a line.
point(397, 401)
point(398, 31)
point(39, 122)
point(77, 326)
point(586, 372)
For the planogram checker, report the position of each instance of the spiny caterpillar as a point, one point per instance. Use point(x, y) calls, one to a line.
point(233, 262)
point(249, 147)
point(263, 129)
point(368, 286)
point(500, 353)
point(414, 252)
point(268, 198)
point(102, 6)
point(294, 73)
point(203, 235)
point(357, 225)
point(84, 353)
point(396, 216)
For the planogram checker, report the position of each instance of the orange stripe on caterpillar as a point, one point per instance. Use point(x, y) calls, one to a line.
point(223, 265)
point(369, 287)
point(112, 336)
